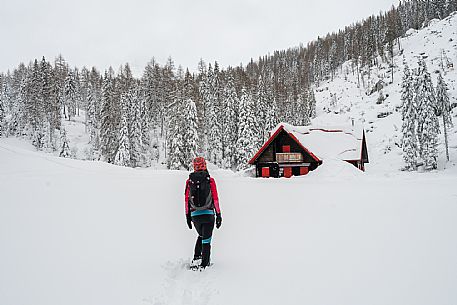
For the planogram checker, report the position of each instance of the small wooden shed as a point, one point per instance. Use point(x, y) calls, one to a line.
point(296, 150)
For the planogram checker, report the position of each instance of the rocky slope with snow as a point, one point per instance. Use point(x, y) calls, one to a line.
point(350, 98)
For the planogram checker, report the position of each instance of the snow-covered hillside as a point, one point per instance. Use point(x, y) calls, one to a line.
point(342, 100)
point(347, 99)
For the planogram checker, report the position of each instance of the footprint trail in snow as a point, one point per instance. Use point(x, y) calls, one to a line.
point(184, 286)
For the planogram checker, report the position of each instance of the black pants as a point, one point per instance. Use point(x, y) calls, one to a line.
point(204, 225)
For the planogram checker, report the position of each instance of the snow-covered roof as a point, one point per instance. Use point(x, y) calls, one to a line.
point(328, 142)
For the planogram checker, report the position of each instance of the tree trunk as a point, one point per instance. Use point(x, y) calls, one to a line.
point(392, 68)
point(445, 138)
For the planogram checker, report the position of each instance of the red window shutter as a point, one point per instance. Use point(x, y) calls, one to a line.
point(265, 172)
point(287, 172)
point(303, 170)
point(286, 148)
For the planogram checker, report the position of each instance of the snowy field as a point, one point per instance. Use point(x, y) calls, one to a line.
point(88, 233)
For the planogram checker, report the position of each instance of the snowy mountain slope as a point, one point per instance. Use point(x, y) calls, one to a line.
point(340, 101)
point(78, 232)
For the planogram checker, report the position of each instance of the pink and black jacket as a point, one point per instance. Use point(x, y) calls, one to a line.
point(215, 206)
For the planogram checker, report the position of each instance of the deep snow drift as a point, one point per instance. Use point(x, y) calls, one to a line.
point(79, 232)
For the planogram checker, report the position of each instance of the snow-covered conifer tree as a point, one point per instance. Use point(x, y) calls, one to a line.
point(92, 108)
point(215, 149)
point(262, 106)
point(109, 121)
point(175, 139)
point(190, 137)
point(176, 125)
point(311, 104)
point(302, 111)
point(409, 117)
point(444, 109)
point(135, 129)
point(34, 106)
point(176, 152)
point(70, 95)
point(50, 103)
point(247, 131)
point(122, 156)
point(427, 121)
point(145, 133)
point(230, 131)
point(203, 89)
point(266, 107)
point(64, 144)
point(271, 119)
point(2, 107)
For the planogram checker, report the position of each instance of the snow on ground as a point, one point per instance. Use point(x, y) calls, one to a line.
point(89, 233)
point(81, 232)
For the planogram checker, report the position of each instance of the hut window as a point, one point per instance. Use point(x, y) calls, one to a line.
point(286, 148)
point(303, 170)
point(289, 157)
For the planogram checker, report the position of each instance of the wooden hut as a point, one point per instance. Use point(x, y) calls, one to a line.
point(296, 150)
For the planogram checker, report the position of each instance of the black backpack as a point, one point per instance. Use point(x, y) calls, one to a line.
point(200, 197)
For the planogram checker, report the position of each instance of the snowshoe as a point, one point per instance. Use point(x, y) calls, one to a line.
point(196, 261)
point(195, 264)
point(199, 267)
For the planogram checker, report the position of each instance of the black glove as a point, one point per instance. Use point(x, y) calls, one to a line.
point(218, 220)
point(189, 221)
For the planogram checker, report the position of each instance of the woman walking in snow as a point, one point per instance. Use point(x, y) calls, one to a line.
point(202, 203)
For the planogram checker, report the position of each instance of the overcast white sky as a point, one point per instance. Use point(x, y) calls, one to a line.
point(111, 32)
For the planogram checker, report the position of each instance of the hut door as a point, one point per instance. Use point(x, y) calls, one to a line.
point(287, 172)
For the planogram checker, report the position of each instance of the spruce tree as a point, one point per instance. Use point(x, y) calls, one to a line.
point(263, 104)
point(176, 125)
point(302, 111)
point(135, 129)
point(427, 122)
point(93, 108)
point(205, 96)
point(247, 130)
point(190, 137)
point(409, 118)
point(230, 131)
point(50, 105)
point(215, 147)
point(444, 109)
point(64, 144)
point(122, 156)
point(176, 150)
point(311, 104)
point(108, 128)
point(145, 133)
point(70, 95)
point(2, 107)
point(35, 107)
point(271, 119)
